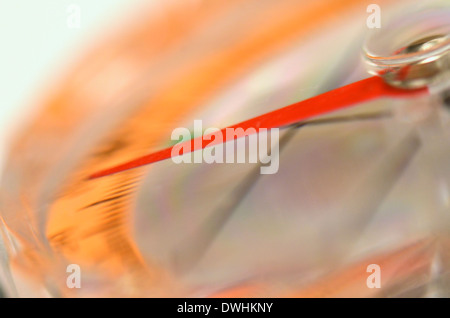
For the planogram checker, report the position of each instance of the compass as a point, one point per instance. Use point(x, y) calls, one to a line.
point(362, 184)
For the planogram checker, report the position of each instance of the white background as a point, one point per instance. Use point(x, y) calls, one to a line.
point(36, 43)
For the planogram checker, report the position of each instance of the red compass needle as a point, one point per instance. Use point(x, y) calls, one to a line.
point(352, 94)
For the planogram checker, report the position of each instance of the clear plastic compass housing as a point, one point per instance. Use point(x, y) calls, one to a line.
point(357, 186)
point(414, 52)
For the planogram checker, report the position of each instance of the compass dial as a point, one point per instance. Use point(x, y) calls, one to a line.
point(354, 186)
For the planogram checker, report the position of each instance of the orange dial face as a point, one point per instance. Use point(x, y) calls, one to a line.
point(191, 229)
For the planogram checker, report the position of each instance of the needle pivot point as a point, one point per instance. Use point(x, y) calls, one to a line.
point(414, 53)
